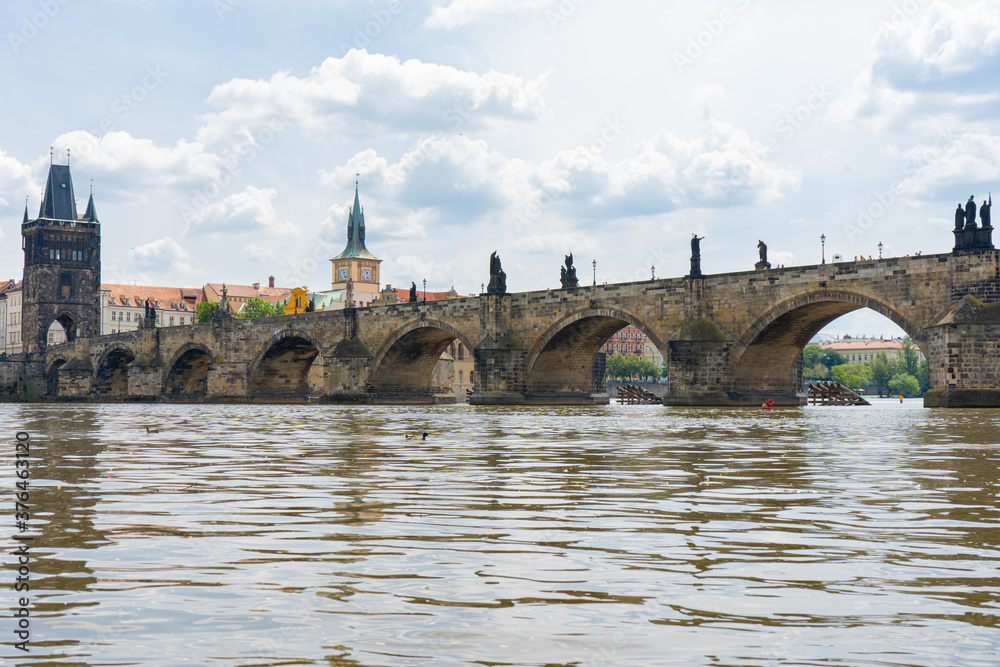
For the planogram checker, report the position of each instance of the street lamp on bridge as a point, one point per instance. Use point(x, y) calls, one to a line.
point(880, 250)
point(425, 290)
point(822, 241)
point(595, 273)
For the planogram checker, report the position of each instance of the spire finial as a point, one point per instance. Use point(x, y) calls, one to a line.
point(67, 157)
point(51, 148)
point(356, 178)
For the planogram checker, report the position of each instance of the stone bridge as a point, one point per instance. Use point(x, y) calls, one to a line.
point(728, 339)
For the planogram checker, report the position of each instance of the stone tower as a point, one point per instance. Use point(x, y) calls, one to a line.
point(62, 265)
point(356, 266)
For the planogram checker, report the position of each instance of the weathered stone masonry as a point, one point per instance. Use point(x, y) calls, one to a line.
point(729, 339)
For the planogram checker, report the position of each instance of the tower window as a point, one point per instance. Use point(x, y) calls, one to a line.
point(65, 284)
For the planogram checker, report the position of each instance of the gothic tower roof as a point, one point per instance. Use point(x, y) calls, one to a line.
point(91, 213)
point(356, 232)
point(58, 202)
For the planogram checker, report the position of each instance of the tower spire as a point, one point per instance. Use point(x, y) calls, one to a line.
point(356, 230)
point(25, 211)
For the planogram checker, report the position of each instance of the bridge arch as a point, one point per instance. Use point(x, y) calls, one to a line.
point(187, 372)
point(111, 373)
point(286, 366)
point(55, 362)
point(561, 359)
point(68, 321)
point(405, 360)
point(765, 355)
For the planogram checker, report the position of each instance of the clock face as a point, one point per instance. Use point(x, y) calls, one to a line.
point(366, 274)
point(343, 274)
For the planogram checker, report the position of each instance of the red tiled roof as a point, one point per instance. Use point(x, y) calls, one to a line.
point(403, 295)
point(134, 296)
point(248, 291)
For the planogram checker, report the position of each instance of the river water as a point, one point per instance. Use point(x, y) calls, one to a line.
point(616, 535)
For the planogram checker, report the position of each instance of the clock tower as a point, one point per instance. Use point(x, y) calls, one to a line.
point(356, 265)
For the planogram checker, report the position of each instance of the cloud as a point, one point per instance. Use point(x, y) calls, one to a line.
point(133, 163)
point(460, 12)
point(973, 159)
point(719, 168)
point(945, 63)
point(368, 92)
point(248, 211)
point(161, 257)
point(464, 180)
point(15, 180)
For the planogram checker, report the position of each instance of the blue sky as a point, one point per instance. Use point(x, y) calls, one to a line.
point(223, 136)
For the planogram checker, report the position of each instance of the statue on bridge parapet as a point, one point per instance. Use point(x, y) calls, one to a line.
point(763, 264)
point(498, 279)
point(149, 321)
point(696, 256)
point(413, 293)
point(970, 213)
point(967, 235)
point(567, 274)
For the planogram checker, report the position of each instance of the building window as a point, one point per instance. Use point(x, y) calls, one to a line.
point(65, 285)
point(128, 316)
point(460, 377)
point(171, 320)
point(471, 376)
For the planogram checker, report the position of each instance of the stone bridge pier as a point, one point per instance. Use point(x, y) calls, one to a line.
point(727, 339)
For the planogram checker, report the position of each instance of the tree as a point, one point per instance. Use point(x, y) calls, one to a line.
point(257, 307)
point(648, 370)
point(852, 376)
point(811, 355)
point(910, 357)
point(615, 366)
point(631, 366)
point(881, 372)
point(203, 311)
point(904, 384)
point(816, 372)
point(923, 376)
point(831, 358)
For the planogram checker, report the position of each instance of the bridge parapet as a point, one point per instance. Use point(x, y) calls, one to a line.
point(727, 339)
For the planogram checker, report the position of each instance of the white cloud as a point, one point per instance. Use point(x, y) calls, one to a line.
point(373, 92)
point(456, 180)
point(15, 180)
point(161, 257)
point(973, 159)
point(944, 63)
point(249, 210)
point(719, 168)
point(465, 179)
point(460, 12)
point(136, 162)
